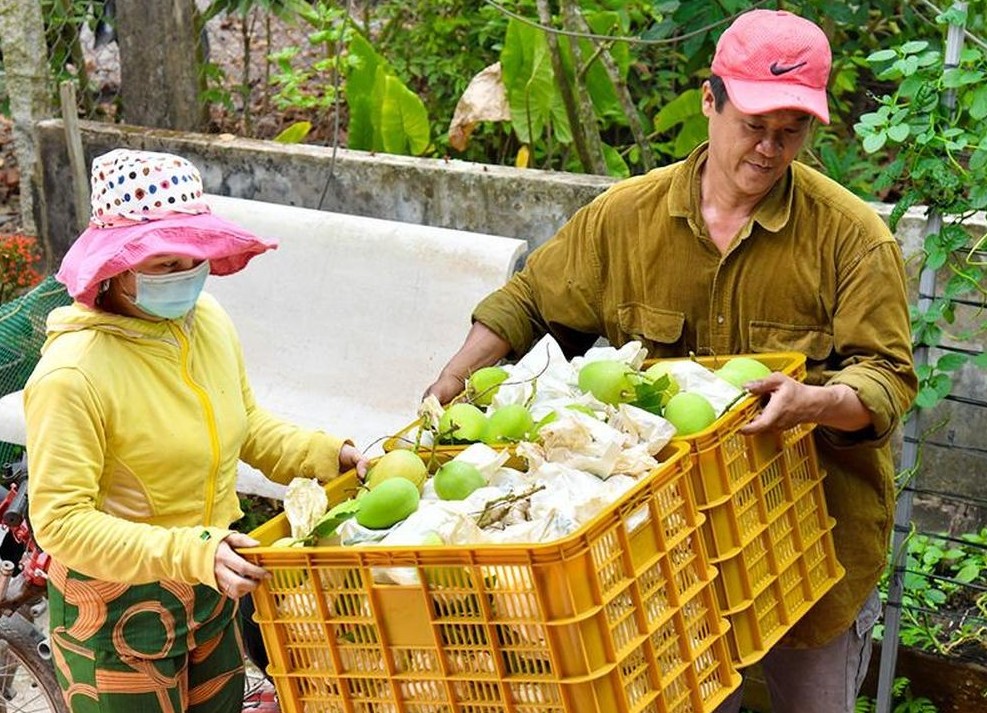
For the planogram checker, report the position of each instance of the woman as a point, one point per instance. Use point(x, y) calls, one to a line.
point(137, 415)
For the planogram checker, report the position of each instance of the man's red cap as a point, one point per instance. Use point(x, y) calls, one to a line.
point(771, 60)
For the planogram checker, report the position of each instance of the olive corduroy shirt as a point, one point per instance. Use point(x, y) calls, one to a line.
point(815, 270)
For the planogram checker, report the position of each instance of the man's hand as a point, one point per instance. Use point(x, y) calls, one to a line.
point(235, 576)
point(790, 402)
point(446, 387)
point(482, 347)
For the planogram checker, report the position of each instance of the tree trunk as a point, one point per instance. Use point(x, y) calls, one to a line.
point(25, 59)
point(588, 123)
point(623, 95)
point(159, 83)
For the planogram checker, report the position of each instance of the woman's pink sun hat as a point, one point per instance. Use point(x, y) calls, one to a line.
point(143, 204)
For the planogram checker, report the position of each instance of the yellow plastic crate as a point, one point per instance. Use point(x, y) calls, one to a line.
point(766, 492)
point(747, 570)
point(620, 616)
point(735, 520)
point(760, 624)
point(775, 579)
point(726, 459)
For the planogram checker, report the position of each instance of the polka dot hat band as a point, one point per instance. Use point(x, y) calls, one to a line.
point(135, 186)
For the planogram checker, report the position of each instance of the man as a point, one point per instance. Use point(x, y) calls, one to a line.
point(740, 248)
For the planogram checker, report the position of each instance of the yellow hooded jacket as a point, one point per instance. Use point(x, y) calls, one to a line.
point(134, 430)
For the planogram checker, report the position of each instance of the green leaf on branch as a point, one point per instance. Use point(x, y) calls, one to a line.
point(979, 158)
point(910, 198)
point(927, 398)
point(968, 573)
point(978, 103)
point(914, 46)
point(935, 257)
point(648, 396)
point(953, 16)
point(898, 132)
point(872, 119)
point(942, 384)
point(978, 196)
point(616, 166)
point(686, 105)
point(953, 236)
point(881, 56)
point(875, 142)
point(927, 334)
point(951, 362)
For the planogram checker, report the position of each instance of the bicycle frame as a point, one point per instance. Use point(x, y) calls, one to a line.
point(23, 564)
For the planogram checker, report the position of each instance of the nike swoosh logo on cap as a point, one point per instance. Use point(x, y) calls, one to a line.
point(778, 70)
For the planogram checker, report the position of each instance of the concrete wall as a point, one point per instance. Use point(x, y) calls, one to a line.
point(520, 203)
point(448, 194)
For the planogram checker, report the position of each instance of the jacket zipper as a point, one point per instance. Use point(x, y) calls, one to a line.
point(207, 408)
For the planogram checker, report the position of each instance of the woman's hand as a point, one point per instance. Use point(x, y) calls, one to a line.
point(351, 457)
point(235, 576)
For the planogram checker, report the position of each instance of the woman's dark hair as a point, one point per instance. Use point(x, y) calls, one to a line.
point(719, 89)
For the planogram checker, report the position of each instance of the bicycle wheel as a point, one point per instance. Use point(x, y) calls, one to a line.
point(27, 681)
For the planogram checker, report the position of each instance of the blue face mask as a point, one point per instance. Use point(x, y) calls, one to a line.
point(172, 294)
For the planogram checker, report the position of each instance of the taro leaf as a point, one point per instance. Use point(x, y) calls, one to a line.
point(692, 133)
point(404, 127)
point(360, 84)
point(530, 81)
point(616, 166)
point(683, 107)
point(601, 89)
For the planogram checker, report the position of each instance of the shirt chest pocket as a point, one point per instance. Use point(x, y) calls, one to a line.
point(659, 331)
point(815, 342)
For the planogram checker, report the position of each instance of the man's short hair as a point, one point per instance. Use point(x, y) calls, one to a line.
point(719, 89)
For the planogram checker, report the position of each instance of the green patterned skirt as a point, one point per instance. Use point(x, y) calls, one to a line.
point(162, 646)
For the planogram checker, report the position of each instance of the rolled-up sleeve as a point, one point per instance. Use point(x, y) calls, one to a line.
point(873, 332)
point(558, 291)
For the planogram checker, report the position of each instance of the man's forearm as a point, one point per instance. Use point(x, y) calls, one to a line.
point(482, 347)
point(842, 409)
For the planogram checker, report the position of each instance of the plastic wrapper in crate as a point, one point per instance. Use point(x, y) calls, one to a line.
point(724, 458)
point(620, 616)
point(767, 529)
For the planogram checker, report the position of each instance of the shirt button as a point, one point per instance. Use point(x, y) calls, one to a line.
point(719, 319)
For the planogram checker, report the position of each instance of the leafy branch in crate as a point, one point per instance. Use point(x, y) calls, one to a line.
point(495, 511)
